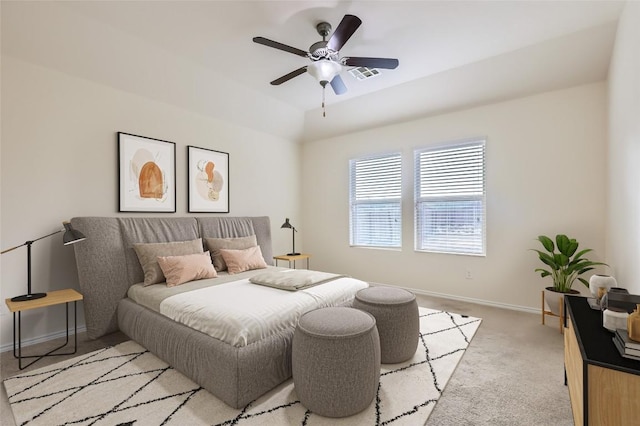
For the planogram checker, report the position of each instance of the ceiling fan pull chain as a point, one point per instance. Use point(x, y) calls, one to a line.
point(324, 111)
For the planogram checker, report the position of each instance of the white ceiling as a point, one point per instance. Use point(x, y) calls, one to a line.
point(428, 37)
point(193, 54)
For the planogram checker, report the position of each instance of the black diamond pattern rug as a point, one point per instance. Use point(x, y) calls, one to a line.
point(127, 385)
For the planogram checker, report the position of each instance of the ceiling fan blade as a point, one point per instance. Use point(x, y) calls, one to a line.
point(280, 46)
point(289, 76)
point(338, 85)
point(386, 63)
point(345, 30)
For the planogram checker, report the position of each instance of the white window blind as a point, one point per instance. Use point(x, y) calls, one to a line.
point(375, 201)
point(450, 199)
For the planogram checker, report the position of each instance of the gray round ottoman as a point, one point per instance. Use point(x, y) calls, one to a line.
point(397, 319)
point(336, 361)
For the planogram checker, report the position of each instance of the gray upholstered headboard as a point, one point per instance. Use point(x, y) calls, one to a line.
point(108, 265)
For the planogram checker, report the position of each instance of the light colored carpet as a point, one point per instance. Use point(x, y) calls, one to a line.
point(126, 384)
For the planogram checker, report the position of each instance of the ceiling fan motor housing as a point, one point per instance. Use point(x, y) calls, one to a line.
point(320, 50)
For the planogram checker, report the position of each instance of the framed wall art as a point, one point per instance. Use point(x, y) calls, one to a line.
point(147, 174)
point(208, 174)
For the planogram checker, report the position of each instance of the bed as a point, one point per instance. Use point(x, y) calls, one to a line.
point(235, 366)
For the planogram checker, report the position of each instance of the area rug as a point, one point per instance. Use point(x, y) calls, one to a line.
point(126, 385)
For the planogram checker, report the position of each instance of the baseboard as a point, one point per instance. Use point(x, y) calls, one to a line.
point(42, 339)
point(469, 300)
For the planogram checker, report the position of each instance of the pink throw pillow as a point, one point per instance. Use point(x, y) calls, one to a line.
point(243, 260)
point(181, 269)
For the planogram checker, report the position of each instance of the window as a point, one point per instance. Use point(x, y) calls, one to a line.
point(375, 201)
point(450, 199)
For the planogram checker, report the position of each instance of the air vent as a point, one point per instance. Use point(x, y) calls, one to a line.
point(364, 73)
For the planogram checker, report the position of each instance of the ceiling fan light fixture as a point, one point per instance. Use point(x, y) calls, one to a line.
point(324, 70)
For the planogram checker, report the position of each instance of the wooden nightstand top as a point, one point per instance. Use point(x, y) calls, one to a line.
point(300, 256)
point(53, 298)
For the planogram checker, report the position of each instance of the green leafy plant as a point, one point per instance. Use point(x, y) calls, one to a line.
point(565, 265)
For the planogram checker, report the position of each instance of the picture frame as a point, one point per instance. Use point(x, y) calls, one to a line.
point(146, 174)
point(208, 180)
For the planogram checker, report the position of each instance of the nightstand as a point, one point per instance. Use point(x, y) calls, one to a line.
point(53, 298)
point(293, 259)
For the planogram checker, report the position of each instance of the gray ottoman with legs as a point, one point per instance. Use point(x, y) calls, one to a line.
point(336, 361)
point(397, 319)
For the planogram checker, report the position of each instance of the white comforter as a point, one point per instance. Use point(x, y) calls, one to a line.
point(240, 313)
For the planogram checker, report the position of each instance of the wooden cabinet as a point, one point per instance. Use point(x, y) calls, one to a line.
point(604, 387)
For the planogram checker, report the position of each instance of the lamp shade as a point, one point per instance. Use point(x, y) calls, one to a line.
point(71, 236)
point(286, 224)
point(324, 70)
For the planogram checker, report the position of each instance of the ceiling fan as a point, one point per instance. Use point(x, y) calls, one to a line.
point(326, 62)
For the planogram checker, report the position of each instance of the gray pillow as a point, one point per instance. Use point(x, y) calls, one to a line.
point(148, 256)
point(215, 244)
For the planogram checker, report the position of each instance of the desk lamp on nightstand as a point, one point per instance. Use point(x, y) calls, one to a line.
point(286, 224)
point(71, 236)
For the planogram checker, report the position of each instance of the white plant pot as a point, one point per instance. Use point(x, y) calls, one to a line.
point(552, 298)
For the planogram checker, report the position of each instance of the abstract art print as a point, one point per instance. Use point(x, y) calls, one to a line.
point(208, 180)
point(147, 170)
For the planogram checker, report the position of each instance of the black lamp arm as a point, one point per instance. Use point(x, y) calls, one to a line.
point(28, 243)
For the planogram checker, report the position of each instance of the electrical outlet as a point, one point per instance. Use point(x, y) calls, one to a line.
point(468, 275)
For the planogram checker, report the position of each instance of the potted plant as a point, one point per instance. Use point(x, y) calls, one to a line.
point(565, 265)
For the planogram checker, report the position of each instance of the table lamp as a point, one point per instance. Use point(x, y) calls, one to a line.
point(71, 236)
point(286, 224)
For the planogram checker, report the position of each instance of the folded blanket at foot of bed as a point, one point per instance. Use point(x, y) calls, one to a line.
point(293, 279)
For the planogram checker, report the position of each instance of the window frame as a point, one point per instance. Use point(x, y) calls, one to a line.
point(419, 245)
point(397, 201)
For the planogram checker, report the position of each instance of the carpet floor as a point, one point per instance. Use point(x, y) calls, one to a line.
point(127, 385)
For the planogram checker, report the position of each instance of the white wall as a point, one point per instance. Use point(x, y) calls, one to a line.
point(623, 219)
point(57, 36)
point(546, 172)
point(59, 160)
point(503, 77)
